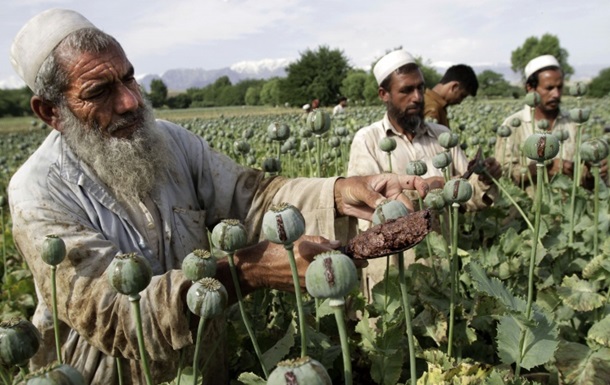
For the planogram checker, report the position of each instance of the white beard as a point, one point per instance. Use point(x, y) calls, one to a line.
point(131, 168)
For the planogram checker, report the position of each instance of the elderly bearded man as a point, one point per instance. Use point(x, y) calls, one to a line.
point(109, 180)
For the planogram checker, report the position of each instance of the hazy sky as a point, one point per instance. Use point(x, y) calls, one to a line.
point(159, 35)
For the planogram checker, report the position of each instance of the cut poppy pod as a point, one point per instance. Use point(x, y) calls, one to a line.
point(207, 298)
point(434, 199)
point(278, 131)
point(319, 121)
point(541, 147)
point(331, 275)
point(504, 131)
point(448, 139)
point(532, 99)
point(129, 274)
point(387, 144)
point(229, 235)
point(283, 224)
point(417, 167)
point(578, 89)
point(19, 341)
point(594, 150)
point(54, 374)
point(272, 165)
point(442, 160)
point(389, 209)
point(199, 264)
point(53, 250)
point(304, 370)
point(457, 191)
point(580, 115)
point(241, 147)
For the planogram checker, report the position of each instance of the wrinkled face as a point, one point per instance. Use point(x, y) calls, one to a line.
point(103, 92)
point(405, 99)
point(550, 88)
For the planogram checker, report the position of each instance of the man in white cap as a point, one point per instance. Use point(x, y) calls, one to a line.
point(110, 179)
point(401, 88)
point(543, 75)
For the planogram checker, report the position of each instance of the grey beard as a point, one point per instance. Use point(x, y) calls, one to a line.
point(131, 168)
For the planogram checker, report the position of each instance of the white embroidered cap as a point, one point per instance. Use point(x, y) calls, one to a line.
point(39, 36)
point(540, 62)
point(390, 62)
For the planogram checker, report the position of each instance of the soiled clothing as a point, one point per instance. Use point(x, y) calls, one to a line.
point(435, 108)
point(55, 193)
point(508, 151)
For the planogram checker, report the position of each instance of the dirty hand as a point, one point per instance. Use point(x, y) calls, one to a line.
point(493, 170)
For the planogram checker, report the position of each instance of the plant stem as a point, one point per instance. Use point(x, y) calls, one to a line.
point(319, 155)
point(453, 275)
point(575, 183)
point(135, 306)
point(337, 305)
point(200, 330)
point(119, 368)
point(244, 315)
point(297, 294)
point(595, 171)
point(4, 265)
point(390, 161)
point(407, 309)
point(421, 207)
point(55, 320)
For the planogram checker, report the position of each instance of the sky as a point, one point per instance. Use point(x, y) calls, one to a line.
point(159, 35)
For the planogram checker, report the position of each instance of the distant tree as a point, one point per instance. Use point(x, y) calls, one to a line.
point(532, 47)
point(431, 75)
point(182, 100)
point(493, 84)
point(158, 93)
point(270, 92)
point(353, 85)
point(253, 95)
point(15, 102)
point(600, 85)
point(316, 74)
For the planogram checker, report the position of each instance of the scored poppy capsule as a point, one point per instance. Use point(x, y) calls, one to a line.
point(304, 370)
point(578, 89)
point(389, 209)
point(532, 99)
point(278, 131)
point(207, 298)
point(229, 235)
point(387, 144)
point(594, 150)
point(448, 139)
point(562, 134)
point(541, 147)
point(417, 167)
point(53, 250)
point(283, 224)
point(199, 264)
point(319, 121)
point(331, 275)
point(457, 191)
point(19, 341)
point(442, 160)
point(129, 273)
point(435, 200)
point(580, 115)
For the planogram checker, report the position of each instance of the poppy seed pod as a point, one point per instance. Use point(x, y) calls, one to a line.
point(19, 341)
point(387, 144)
point(578, 89)
point(129, 273)
point(389, 209)
point(319, 121)
point(272, 165)
point(229, 235)
point(515, 122)
point(199, 264)
point(417, 167)
point(304, 370)
point(53, 250)
point(504, 131)
point(561, 134)
point(435, 200)
point(283, 224)
point(541, 147)
point(54, 374)
point(278, 131)
point(442, 160)
point(207, 298)
point(241, 147)
point(542, 124)
point(457, 191)
point(334, 141)
point(594, 150)
point(448, 139)
point(331, 275)
point(580, 115)
point(532, 99)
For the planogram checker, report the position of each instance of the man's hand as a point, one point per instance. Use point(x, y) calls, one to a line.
point(435, 182)
point(494, 170)
point(358, 196)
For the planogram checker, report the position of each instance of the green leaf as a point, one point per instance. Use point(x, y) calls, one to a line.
point(539, 345)
point(386, 364)
point(579, 294)
point(600, 332)
point(494, 288)
point(249, 379)
point(281, 348)
point(386, 294)
point(598, 268)
point(433, 324)
point(579, 365)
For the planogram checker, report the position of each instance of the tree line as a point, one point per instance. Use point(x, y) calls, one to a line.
point(325, 74)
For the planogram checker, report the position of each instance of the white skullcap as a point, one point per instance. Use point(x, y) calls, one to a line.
point(390, 62)
point(306, 106)
point(539, 63)
point(39, 37)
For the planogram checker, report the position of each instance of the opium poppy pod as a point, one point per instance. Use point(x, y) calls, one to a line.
point(54, 374)
point(448, 139)
point(319, 121)
point(541, 147)
point(504, 131)
point(561, 134)
point(278, 131)
point(594, 150)
point(53, 250)
point(331, 275)
point(129, 273)
point(578, 89)
point(580, 115)
point(389, 209)
point(199, 264)
point(272, 165)
point(442, 160)
point(417, 167)
point(532, 99)
point(457, 191)
point(387, 144)
point(304, 370)
point(19, 341)
point(229, 235)
point(207, 298)
point(435, 200)
point(542, 124)
point(283, 224)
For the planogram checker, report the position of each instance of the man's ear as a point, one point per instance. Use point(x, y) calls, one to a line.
point(383, 94)
point(46, 111)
